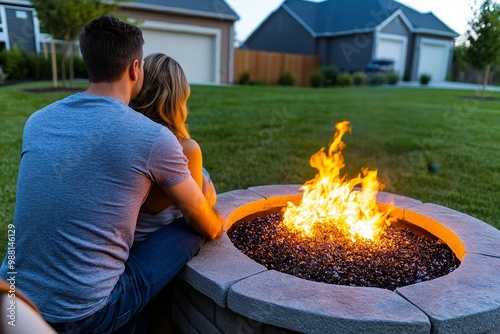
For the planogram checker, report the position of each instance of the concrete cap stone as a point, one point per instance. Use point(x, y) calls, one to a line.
point(464, 301)
point(233, 205)
point(399, 203)
point(313, 307)
point(456, 229)
point(275, 190)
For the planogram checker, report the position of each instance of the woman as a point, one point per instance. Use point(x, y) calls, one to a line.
point(163, 99)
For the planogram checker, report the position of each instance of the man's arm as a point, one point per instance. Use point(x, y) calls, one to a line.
point(189, 198)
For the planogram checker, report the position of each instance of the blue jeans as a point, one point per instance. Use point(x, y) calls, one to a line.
point(150, 266)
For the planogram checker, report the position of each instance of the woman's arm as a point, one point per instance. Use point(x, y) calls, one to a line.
point(192, 151)
point(157, 201)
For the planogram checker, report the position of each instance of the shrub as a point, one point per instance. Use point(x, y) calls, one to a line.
point(392, 78)
point(15, 63)
point(78, 67)
point(317, 79)
point(244, 79)
point(39, 68)
point(425, 78)
point(18, 64)
point(330, 73)
point(377, 79)
point(287, 79)
point(359, 78)
point(344, 79)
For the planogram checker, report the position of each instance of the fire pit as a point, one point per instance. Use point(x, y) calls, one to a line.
point(223, 291)
point(401, 257)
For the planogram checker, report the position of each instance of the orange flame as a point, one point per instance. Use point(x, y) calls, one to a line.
point(331, 199)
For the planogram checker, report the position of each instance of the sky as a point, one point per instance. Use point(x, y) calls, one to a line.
point(454, 13)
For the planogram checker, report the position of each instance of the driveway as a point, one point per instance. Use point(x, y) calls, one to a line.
point(449, 85)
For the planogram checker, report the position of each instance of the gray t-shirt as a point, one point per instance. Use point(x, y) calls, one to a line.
point(87, 164)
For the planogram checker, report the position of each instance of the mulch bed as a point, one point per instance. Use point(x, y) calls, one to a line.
point(39, 89)
point(480, 98)
point(13, 82)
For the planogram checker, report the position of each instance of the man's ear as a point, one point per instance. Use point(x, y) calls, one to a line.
point(133, 70)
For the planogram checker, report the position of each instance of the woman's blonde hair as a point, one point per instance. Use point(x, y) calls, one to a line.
point(164, 94)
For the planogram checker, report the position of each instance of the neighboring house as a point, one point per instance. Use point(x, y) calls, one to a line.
point(348, 34)
point(198, 34)
point(18, 26)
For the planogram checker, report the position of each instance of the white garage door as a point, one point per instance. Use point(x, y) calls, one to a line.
point(434, 56)
point(393, 47)
point(194, 52)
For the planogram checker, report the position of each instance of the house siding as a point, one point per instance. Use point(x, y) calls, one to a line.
point(396, 27)
point(349, 53)
point(411, 58)
point(281, 33)
point(225, 27)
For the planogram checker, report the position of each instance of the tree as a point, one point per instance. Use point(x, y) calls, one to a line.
point(460, 57)
point(63, 20)
point(483, 39)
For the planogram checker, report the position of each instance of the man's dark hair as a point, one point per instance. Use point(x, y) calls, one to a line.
point(108, 47)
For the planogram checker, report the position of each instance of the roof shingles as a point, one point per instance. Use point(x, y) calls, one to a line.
point(213, 7)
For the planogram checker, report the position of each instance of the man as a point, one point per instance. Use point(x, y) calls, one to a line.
point(87, 165)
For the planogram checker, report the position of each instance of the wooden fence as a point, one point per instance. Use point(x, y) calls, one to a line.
point(269, 66)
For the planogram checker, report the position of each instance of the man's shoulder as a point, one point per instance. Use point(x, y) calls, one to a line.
point(77, 101)
point(47, 112)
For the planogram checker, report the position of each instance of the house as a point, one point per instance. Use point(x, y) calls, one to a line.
point(348, 34)
point(19, 26)
point(198, 34)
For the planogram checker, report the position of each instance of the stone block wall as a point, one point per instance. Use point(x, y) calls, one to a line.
point(193, 312)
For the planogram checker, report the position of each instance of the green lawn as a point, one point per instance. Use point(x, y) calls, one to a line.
point(254, 135)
